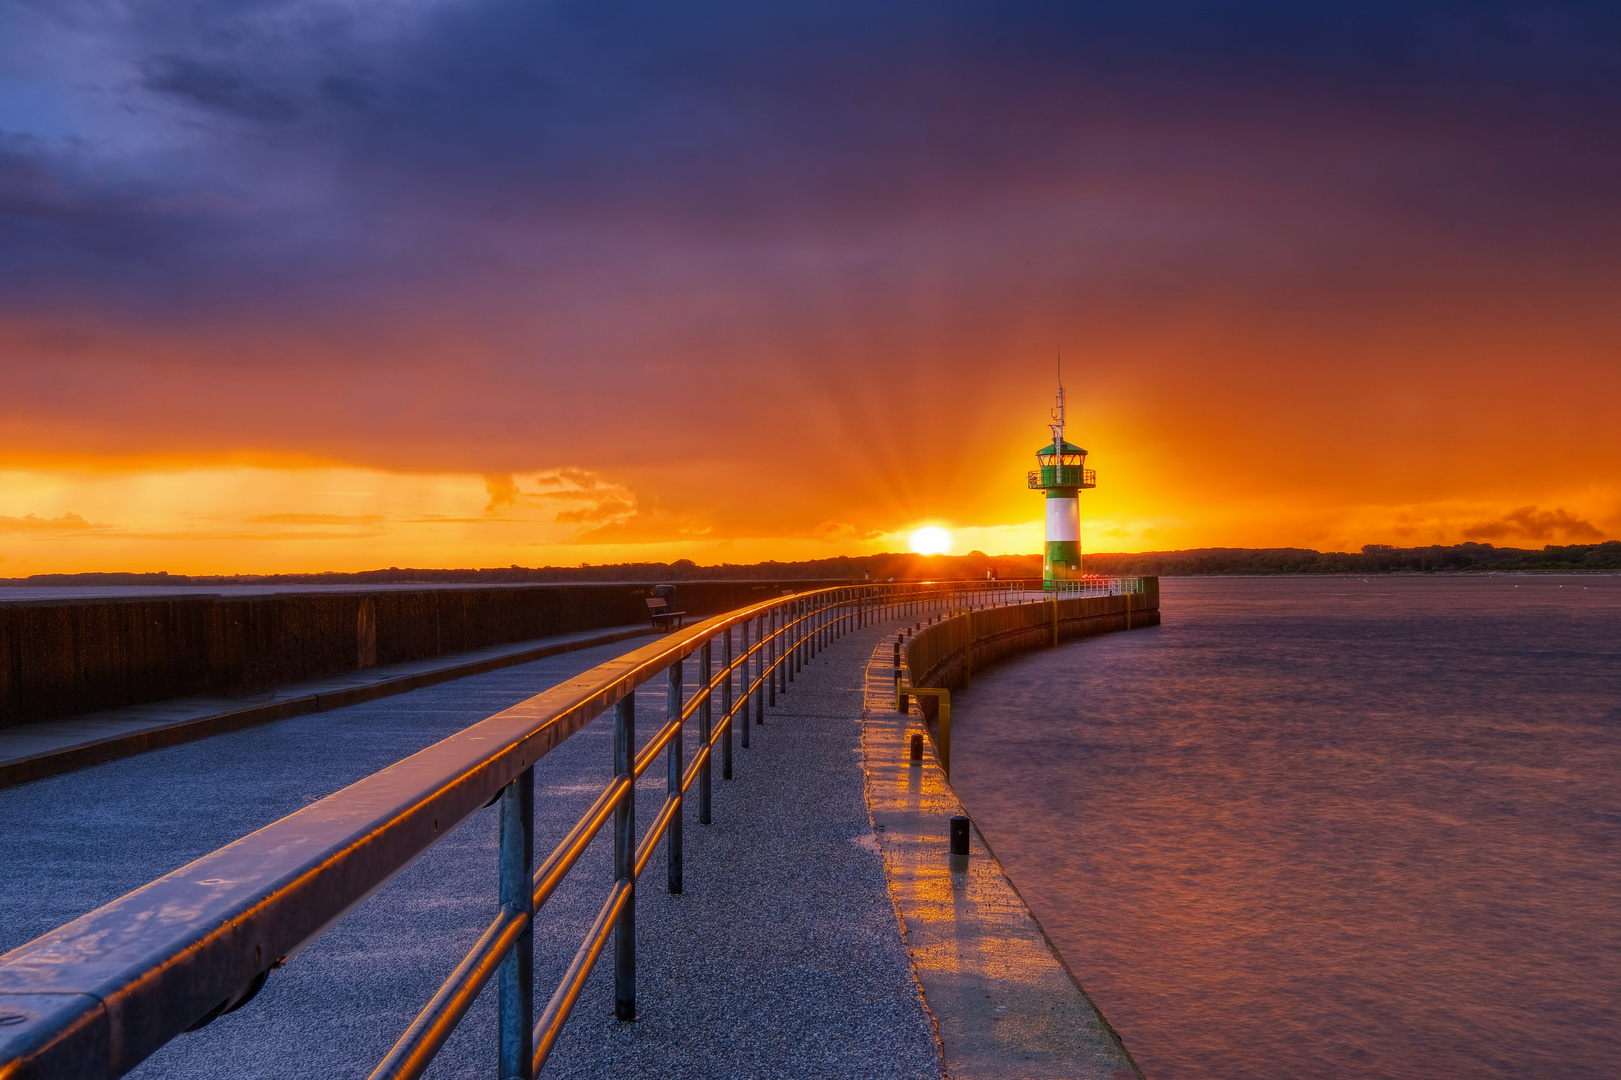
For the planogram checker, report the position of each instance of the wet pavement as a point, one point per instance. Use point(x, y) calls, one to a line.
point(1006, 1006)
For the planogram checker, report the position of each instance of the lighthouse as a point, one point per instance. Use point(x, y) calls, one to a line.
point(1061, 474)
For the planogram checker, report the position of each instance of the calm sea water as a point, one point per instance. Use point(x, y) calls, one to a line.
point(1326, 828)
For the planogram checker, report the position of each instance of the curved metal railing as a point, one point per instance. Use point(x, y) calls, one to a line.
point(100, 994)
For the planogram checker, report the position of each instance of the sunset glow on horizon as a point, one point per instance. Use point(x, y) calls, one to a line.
point(931, 540)
point(306, 286)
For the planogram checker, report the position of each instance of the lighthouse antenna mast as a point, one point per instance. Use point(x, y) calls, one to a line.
point(1058, 414)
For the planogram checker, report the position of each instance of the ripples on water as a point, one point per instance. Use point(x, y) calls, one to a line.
point(1317, 828)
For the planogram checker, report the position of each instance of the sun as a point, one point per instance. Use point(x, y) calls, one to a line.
point(931, 540)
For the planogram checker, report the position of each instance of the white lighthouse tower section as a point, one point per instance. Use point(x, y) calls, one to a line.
point(1063, 519)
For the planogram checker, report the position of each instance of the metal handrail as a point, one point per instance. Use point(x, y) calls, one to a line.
point(1061, 476)
point(1093, 585)
point(100, 994)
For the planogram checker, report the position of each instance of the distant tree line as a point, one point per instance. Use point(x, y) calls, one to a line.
point(1372, 559)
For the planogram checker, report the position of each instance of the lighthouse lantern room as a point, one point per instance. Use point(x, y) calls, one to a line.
point(1062, 474)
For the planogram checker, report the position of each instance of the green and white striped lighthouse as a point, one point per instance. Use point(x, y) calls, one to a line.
point(1062, 473)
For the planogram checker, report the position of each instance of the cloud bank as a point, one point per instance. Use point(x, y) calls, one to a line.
point(758, 268)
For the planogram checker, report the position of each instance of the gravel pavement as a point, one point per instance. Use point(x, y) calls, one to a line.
point(781, 959)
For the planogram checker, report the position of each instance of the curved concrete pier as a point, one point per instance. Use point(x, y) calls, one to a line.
point(783, 957)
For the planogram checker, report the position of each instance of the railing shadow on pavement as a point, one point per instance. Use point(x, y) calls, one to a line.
point(98, 995)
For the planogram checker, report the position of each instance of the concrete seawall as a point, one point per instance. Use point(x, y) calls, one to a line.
point(64, 658)
point(947, 654)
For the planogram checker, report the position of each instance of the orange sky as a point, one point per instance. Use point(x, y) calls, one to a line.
point(774, 289)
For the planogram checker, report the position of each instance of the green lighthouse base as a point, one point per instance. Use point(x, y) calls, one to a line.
point(1062, 562)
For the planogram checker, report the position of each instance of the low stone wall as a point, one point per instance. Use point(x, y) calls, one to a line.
point(946, 654)
point(62, 658)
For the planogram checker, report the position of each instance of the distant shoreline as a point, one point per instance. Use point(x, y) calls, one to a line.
point(1372, 560)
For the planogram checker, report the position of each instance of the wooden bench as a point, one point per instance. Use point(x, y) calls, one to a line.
point(658, 609)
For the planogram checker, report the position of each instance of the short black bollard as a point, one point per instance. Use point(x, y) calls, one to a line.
point(917, 750)
point(959, 843)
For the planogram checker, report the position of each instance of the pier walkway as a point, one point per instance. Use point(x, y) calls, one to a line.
point(780, 958)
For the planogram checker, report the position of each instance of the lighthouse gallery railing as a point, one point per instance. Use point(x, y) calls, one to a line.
point(100, 994)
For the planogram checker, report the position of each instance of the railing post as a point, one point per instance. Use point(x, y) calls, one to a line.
point(775, 669)
point(760, 670)
point(515, 995)
point(672, 835)
point(625, 859)
point(726, 708)
point(743, 679)
point(704, 733)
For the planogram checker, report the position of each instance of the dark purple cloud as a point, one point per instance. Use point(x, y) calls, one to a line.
point(272, 153)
